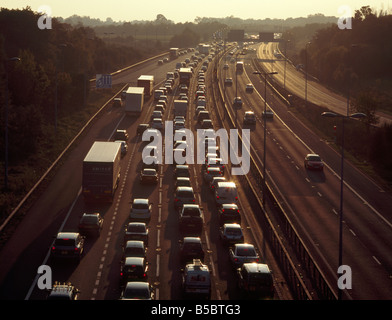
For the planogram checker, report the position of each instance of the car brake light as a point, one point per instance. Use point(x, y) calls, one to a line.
point(76, 249)
point(236, 198)
point(53, 248)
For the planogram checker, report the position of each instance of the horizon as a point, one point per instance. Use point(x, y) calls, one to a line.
point(179, 11)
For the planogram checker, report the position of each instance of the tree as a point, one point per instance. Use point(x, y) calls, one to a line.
point(366, 102)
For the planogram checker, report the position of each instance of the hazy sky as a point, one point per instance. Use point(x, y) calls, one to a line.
point(188, 10)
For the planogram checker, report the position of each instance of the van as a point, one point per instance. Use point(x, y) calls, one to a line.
point(226, 192)
point(196, 280)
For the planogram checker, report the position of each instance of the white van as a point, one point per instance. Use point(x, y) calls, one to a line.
point(226, 192)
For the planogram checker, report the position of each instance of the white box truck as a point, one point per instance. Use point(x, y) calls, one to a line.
point(180, 108)
point(101, 171)
point(147, 82)
point(134, 100)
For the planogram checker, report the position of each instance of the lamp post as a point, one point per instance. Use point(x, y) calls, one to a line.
point(285, 61)
point(306, 73)
point(357, 115)
point(265, 127)
point(6, 121)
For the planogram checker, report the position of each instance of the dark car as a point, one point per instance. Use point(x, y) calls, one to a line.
point(142, 127)
point(136, 231)
point(121, 135)
point(249, 117)
point(207, 124)
point(137, 290)
point(63, 291)
point(134, 248)
point(183, 195)
point(191, 218)
point(133, 269)
point(202, 115)
point(313, 161)
point(182, 170)
point(191, 248)
point(149, 175)
point(67, 245)
point(90, 223)
point(229, 212)
point(255, 280)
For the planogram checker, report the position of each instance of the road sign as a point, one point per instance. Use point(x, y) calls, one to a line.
point(103, 81)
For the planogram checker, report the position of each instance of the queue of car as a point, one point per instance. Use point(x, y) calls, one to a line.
point(196, 275)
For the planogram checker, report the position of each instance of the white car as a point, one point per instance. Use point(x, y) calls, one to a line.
point(141, 209)
point(242, 253)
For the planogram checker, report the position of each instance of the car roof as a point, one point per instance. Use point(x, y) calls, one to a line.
point(232, 225)
point(192, 239)
point(134, 243)
point(244, 245)
point(134, 260)
point(140, 200)
point(256, 267)
point(67, 235)
point(138, 285)
point(184, 188)
point(191, 205)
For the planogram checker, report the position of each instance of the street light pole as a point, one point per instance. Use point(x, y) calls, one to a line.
point(354, 116)
point(306, 73)
point(265, 129)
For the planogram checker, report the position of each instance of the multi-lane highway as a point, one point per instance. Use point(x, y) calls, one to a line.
point(311, 201)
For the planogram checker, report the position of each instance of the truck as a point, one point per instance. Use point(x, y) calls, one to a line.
point(185, 75)
point(147, 82)
point(180, 108)
point(196, 280)
point(134, 100)
point(101, 171)
point(174, 53)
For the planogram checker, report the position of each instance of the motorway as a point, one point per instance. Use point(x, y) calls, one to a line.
point(311, 200)
point(294, 81)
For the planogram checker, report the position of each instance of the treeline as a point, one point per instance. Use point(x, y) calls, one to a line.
point(357, 62)
point(62, 60)
point(359, 59)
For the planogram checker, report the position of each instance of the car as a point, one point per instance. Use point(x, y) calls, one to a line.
point(179, 118)
point(179, 125)
point(121, 135)
point(231, 233)
point(214, 162)
point(214, 182)
point(141, 209)
point(203, 115)
point(136, 231)
point(228, 81)
point(182, 170)
point(137, 290)
point(313, 161)
point(249, 88)
point(150, 162)
point(183, 195)
point(151, 135)
point(134, 248)
point(196, 280)
point(148, 176)
point(67, 246)
point(207, 124)
point(183, 182)
point(151, 151)
point(212, 172)
point(133, 269)
point(90, 223)
point(225, 66)
point(242, 253)
point(229, 212)
point(157, 123)
point(249, 117)
point(191, 218)
point(160, 108)
point(191, 248)
point(124, 147)
point(117, 102)
point(198, 109)
point(237, 102)
point(255, 281)
point(156, 114)
point(267, 114)
point(63, 291)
